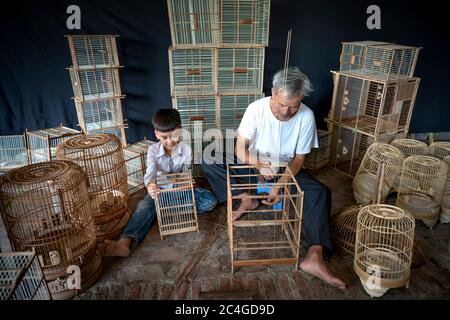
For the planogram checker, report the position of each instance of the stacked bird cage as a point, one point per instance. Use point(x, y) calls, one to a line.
point(374, 92)
point(101, 157)
point(135, 156)
point(13, 152)
point(267, 235)
point(439, 149)
point(21, 277)
point(421, 187)
point(216, 60)
point(383, 248)
point(96, 84)
point(445, 203)
point(45, 208)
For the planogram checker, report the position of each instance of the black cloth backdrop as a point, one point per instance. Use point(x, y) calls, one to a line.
point(35, 89)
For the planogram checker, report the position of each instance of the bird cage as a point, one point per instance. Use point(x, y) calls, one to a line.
point(135, 156)
point(21, 277)
point(439, 149)
point(240, 70)
point(194, 23)
point(343, 228)
point(13, 153)
point(244, 22)
point(348, 148)
point(265, 235)
point(102, 116)
point(232, 109)
point(383, 248)
point(408, 147)
point(192, 71)
point(45, 208)
point(445, 203)
point(175, 204)
point(318, 158)
point(365, 182)
point(101, 157)
point(380, 61)
point(421, 187)
point(41, 144)
point(92, 84)
point(372, 106)
point(93, 51)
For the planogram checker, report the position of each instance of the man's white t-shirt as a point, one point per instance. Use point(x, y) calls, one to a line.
point(274, 140)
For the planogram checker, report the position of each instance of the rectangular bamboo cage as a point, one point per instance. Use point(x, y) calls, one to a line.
point(378, 60)
point(194, 23)
point(98, 83)
point(266, 235)
point(318, 158)
point(193, 71)
point(41, 144)
point(240, 70)
point(93, 51)
point(13, 153)
point(21, 277)
point(135, 156)
point(196, 111)
point(372, 106)
point(244, 22)
point(175, 204)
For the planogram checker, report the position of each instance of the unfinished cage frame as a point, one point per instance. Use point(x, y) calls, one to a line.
point(135, 156)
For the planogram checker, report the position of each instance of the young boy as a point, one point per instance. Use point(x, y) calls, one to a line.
point(169, 155)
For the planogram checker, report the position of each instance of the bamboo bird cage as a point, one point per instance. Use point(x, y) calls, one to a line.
point(380, 61)
point(371, 106)
point(101, 156)
point(445, 203)
point(421, 187)
point(90, 51)
point(439, 149)
point(266, 235)
point(135, 156)
point(21, 277)
point(196, 112)
point(319, 158)
point(45, 208)
point(175, 204)
point(383, 248)
point(364, 183)
point(13, 152)
point(408, 147)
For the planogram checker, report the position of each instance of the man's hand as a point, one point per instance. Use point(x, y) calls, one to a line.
point(153, 190)
point(273, 197)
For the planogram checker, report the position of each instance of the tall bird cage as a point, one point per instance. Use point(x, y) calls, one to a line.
point(135, 156)
point(439, 149)
point(13, 152)
point(445, 204)
point(21, 277)
point(45, 208)
point(175, 204)
point(364, 184)
point(384, 248)
point(267, 235)
point(421, 187)
point(408, 147)
point(101, 157)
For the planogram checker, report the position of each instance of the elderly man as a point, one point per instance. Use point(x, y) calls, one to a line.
point(279, 130)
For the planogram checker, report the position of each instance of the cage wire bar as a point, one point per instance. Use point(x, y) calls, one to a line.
point(13, 152)
point(269, 235)
point(93, 51)
point(21, 277)
point(41, 144)
point(45, 208)
point(445, 203)
point(372, 106)
point(135, 156)
point(319, 158)
point(101, 157)
point(175, 204)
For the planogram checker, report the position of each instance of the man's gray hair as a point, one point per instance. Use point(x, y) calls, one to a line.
point(296, 82)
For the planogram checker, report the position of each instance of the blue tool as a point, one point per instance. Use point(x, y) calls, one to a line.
point(264, 188)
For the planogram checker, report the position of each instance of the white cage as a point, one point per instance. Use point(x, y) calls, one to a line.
point(196, 111)
point(439, 149)
point(89, 51)
point(13, 153)
point(135, 156)
point(91, 84)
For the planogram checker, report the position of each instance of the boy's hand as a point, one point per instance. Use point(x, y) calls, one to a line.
point(153, 190)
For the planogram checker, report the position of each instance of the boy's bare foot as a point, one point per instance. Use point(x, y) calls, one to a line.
point(314, 264)
point(119, 248)
point(247, 204)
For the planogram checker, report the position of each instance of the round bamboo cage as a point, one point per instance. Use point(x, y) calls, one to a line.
point(45, 208)
point(421, 188)
point(445, 203)
point(408, 147)
point(101, 156)
point(343, 228)
point(383, 248)
point(365, 181)
point(439, 149)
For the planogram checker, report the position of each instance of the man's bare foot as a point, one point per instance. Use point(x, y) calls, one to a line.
point(247, 204)
point(314, 264)
point(119, 248)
